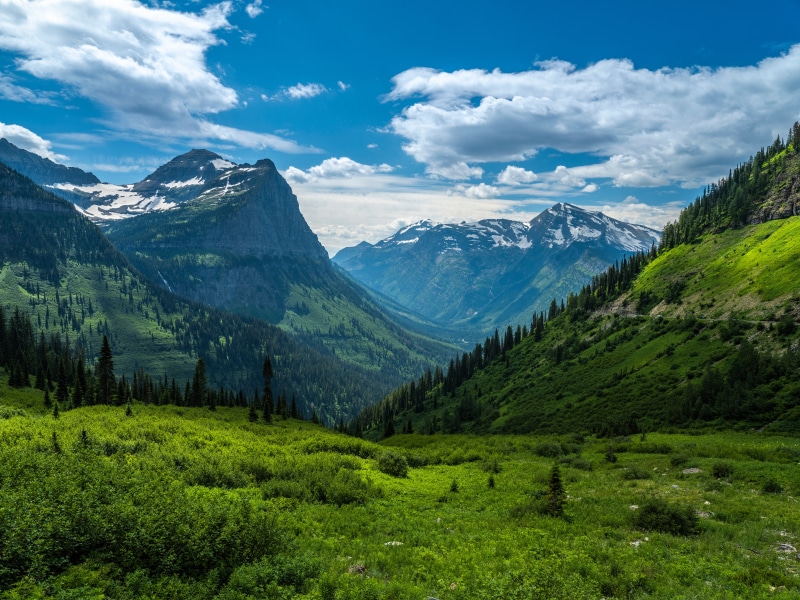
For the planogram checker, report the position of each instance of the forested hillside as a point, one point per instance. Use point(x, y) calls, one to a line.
point(60, 270)
point(701, 333)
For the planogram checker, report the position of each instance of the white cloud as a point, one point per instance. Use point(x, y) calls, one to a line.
point(646, 127)
point(592, 187)
point(11, 91)
point(329, 168)
point(632, 210)
point(305, 90)
point(254, 9)
point(480, 191)
point(248, 38)
point(372, 146)
point(567, 177)
point(27, 140)
point(516, 176)
point(343, 86)
point(145, 66)
point(344, 211)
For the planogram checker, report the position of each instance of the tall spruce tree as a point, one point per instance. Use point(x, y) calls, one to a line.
point(266, 373)
point(106, 382)
point(199, 383)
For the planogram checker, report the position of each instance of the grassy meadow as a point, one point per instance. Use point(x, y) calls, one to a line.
point(172, 502)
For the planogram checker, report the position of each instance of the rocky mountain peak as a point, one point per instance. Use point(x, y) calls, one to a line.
point(193, 168)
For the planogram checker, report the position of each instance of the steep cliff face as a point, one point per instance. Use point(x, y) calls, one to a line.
point(783, 198)
point(239, 244)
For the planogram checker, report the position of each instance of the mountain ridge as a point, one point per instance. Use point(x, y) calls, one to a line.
point(487, 274)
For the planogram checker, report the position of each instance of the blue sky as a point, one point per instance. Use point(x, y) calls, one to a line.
point(383, 113)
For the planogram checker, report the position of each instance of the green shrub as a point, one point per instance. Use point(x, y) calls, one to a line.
point(635, 472)
point(771, 486)
point(548, 450)
point(722, 470)
point(678, 460)
point(577, 462)
point(347, 487)
point(393, 464)
point(658, 515)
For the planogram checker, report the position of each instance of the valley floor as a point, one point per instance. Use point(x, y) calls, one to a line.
point(186, 503)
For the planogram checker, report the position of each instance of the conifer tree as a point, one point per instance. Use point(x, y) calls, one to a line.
point(199, 383)
point(555, 496)
point(62, 389)
point(105, 373)
point(252, 415)
point(266, 373)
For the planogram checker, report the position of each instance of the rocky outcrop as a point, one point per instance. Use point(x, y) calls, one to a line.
point(783, 199)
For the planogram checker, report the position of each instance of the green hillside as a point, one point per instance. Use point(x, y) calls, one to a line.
point(180, 503)
point(701, 334)
point(59, 269)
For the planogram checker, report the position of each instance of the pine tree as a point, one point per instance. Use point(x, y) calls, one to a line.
point(55, 411)
point(252, 415)
point(199, 383)
point(555, 497)
point(48, 403)
point(105, 373)
point(62, 389)
point(266, 373)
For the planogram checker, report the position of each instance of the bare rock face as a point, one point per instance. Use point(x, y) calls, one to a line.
point(783, 199)
point(239, 244)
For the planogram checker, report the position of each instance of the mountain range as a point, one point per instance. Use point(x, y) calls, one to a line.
point(233, 237)
point(480, 276)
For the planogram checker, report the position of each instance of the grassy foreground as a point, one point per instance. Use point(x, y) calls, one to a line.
point(186, 503)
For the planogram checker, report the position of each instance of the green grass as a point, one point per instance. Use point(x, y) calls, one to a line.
point(154, 505)
point(749, 272)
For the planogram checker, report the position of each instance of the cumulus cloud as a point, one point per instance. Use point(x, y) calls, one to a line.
point(632, 210)
point(28, 140)
point(344, 211)
point(567, 177)
point(646, 127)
point(342, 167)
point(305, 90)
point(144, 65)
point(480, 191)
point(516, 176)
point(254, 9)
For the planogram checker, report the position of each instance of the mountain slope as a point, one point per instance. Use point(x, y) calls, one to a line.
point(242, 244)
point(232, 236)
point(703, 334)
point(42, 170)
point(720, 350)
point(60, 269)
point(484, 275)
